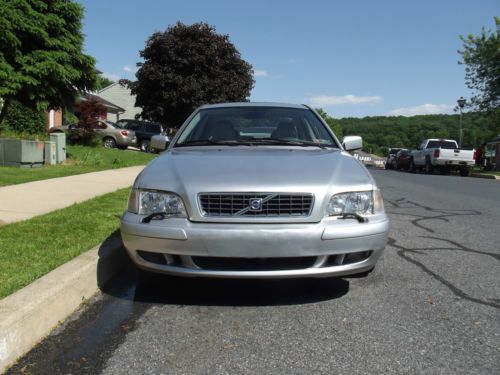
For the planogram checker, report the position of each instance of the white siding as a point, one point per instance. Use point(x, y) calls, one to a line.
point(121, 96)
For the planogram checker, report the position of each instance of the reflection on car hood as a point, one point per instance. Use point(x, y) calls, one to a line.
point(257, 169)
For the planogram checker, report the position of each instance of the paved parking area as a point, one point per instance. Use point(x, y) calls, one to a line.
point(432, 305)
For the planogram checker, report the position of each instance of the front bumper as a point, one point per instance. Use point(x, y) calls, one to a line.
point(180, 242)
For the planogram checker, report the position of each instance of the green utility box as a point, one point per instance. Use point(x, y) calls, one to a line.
point(50, 153)
point(60, 141)
point(21, 153)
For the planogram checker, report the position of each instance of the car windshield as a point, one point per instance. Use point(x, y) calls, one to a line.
point(256, 126)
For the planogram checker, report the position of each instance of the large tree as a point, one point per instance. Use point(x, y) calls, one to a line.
point(42, 63)
point(187, 66)
point(481, 56)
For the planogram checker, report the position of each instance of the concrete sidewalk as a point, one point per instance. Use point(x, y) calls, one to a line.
point(23, 201)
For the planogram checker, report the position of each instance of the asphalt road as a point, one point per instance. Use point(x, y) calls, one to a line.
point(432, 305)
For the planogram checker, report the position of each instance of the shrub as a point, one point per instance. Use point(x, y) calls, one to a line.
point(21, 119)
point(82, 136)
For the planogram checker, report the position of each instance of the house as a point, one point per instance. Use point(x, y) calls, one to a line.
point(111, 112)
point(122, 96)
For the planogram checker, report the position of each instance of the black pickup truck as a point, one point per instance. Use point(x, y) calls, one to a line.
point(144, 130)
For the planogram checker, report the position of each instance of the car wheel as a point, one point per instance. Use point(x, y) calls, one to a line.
point(109, 142)
point(464, 172)
point(412, 168)
point(145, 146)
point(429, 169)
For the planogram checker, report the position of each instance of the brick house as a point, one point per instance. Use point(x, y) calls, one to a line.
point(111, 112)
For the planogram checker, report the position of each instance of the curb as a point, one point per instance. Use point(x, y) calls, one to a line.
point(30, 314)
point(488, 176)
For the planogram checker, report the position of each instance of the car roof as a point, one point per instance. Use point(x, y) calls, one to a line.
point(254, 104)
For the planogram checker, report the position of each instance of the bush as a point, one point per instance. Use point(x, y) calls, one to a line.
point(69, 118)
point(21, 119)
point(83, 136)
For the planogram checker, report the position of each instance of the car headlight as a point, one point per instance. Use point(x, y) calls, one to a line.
point(146, 202)
point(357, 202)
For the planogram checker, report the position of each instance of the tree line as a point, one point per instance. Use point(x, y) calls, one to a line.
point(382, 132)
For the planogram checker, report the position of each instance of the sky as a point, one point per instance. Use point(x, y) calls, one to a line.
point(351, 58)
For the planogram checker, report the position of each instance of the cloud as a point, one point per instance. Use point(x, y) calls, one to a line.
point(329, 101)
point(129, 69)
point(424, 109)
point(113, 77)
point(260, 73)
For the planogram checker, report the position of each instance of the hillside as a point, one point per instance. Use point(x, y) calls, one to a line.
point(381, 132)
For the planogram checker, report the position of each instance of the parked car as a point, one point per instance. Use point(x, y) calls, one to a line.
point(144, 130)
point(402, 160)
point(113, 135)
point(389, 163)
point(110, 133)
point(255, 190)
point(62, 129)
point(443, 154)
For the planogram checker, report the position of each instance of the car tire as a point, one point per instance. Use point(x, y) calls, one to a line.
point(464, 172)
point(429, 168)
point(411, 167)
point(145, 145)
point(109, 142)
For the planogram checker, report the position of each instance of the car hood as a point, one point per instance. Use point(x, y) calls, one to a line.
point(190, 171)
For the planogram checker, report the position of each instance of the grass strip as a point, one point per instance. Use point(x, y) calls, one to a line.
point(81, 159)
point(32, 248)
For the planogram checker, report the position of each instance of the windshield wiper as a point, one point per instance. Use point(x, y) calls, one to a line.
point(213, 142)
point(292, 142)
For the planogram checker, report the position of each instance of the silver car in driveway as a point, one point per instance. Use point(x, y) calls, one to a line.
point(112, 135)
point(255, 190)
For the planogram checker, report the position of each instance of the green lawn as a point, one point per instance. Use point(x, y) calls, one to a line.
point(494, 173)
point(81, 159)
point(32, 248)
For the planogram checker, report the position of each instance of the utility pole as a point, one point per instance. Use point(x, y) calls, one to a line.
point(461, 104)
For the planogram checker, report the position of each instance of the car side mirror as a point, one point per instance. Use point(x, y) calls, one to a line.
point(352, 142)
point(159, 142)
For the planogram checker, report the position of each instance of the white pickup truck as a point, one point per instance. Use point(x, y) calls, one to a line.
point(443, 154)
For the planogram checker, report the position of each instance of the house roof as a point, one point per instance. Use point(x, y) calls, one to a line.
point(111, 107)
point(108, 87)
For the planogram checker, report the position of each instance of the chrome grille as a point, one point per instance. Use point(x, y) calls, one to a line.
point(271, 204)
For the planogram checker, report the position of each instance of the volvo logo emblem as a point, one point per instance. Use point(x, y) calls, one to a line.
point(255, 204)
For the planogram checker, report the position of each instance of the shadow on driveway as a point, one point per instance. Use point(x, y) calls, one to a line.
point(161, 289)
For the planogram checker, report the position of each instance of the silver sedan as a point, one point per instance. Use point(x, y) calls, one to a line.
point(256, 190)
